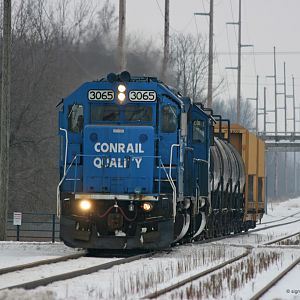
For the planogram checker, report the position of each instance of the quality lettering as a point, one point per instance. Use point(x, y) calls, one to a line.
point(116, 162)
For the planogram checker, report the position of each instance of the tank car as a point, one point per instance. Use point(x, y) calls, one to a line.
point(142, 168)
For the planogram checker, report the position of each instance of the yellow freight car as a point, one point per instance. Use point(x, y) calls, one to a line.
point(252, 150)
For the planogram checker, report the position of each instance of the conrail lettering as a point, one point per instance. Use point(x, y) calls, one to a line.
point(118, 148)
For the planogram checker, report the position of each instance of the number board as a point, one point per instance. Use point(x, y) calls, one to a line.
point(101, 95)
point(142, 95)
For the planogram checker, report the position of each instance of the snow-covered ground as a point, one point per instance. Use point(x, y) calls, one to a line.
point(19, 253)
point(282, 209)
point(240, 280)
point(287, 288)
point(134, 280)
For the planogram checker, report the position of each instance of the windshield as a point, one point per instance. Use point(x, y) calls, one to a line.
point(105, 113)
point(113, 113)
point(138, 114)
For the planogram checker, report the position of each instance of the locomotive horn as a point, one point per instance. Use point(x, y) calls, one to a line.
point(125, 76)
point(112, 77)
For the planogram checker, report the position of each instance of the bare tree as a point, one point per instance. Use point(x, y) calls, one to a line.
point(190, 63)
point(228, 110)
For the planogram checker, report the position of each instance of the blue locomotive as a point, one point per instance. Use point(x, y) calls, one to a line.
point(141, 167)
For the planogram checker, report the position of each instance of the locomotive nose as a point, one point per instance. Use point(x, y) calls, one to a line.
point(118, 159)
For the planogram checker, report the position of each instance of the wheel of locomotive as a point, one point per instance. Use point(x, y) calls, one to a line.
point(235, 227)
point(225, 224)
point(221, 227)
point(217, 227)
point(209, 231)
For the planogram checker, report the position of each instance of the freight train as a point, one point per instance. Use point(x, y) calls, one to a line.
point(143, 167)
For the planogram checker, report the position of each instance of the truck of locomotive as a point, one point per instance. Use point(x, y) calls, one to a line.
point(140, 167)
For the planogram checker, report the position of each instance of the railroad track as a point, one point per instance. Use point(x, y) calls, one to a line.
point(215, 239)
point(40, 263)
point(102, 266)
point(72, 274)
point(273, 226)
point(197, 276)
point(284, 218)
point(271, 284)
point(281, 239)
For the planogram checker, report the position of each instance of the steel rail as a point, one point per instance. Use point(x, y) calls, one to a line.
point(284, 218)
point(281, 239)
point(219, 238)
point(69, 275)
point(40, 263)
point(275, 280)
point(179, 284)
point(273, 226)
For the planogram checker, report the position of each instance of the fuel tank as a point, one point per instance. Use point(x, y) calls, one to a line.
point(226, 163)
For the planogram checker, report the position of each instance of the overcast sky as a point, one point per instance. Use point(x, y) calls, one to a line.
point(265, 23)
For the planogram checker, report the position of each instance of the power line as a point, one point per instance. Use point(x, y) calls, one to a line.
point(261, 53)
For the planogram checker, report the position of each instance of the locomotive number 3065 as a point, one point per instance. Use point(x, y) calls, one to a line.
point(103, 95)
point(142, 96)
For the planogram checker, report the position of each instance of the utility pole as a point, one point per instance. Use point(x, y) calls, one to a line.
point(166, 41)
point(285, 96)
point(239, 67)
point(275, 90)
point(210, 55)
point(294, 129)
point(122, 32)
point(275, 123)
point(238, 100)
point(285, 127)
point(5, 117)
point(265, 110)
point(276, 156)
point(257, 86)
point(256, 104)
point(210, 52)
point(266, 153)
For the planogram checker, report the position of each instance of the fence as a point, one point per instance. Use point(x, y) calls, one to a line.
point(34, 227)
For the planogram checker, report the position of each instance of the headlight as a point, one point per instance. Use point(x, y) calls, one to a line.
point(121, 88)
point(121, 97)
point(147, 206)
point(85, 205)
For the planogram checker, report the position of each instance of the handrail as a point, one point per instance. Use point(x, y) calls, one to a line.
point(66, 148)
point(58, 186)
point(171, 158)
point(197, 160)
point(174, 191)
point(201, 160)
point(172, 181)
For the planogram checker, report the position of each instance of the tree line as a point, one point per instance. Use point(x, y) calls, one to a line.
point(56, 46)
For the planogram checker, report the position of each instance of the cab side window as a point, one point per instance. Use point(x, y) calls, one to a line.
point(75, 118)
point(169, 119)
point(198, 131)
